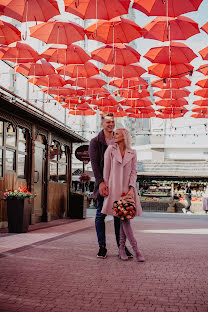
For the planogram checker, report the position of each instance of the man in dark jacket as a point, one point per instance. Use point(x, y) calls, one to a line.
point(98, 146)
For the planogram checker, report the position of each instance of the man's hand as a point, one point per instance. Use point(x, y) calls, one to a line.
point(103, 189)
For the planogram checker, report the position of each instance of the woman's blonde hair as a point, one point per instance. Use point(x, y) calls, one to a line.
point(127, 137)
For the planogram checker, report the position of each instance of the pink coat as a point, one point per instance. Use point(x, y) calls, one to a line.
point(119, 174)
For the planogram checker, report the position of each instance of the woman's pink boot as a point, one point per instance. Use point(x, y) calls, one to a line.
point(122, 252)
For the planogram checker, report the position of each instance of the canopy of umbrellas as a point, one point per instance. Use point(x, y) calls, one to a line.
point(75, 81)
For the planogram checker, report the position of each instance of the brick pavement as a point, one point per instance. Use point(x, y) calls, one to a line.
point(56, 269)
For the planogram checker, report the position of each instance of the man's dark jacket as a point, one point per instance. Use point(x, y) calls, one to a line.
point(97, 149)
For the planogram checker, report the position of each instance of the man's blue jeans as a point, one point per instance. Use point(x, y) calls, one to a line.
point(100, 225)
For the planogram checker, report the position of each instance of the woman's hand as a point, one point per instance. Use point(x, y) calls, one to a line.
point(130, 192)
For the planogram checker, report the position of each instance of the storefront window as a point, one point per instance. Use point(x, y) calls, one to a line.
point(62, 154)
point(61, 173)
point(1, 163)
point(1, 132)
point(10, 135)
point(10, 164)
point(22, 140)
point(53, 171)
point(21, 166)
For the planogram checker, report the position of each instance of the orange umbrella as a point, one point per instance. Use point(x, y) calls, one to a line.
point(164, 70)
point(121, 71)
point(172, 103)
point(141, 115)
point(170, 115)
point(175, 83)
point(110, 109)
point(62, 91)
point(96, 92)
point(163, 8)
point(41, 68)
point(201, 102)
point(8, 33)
point(97, 9)
point(205, 27)
point(132, 93)
point(78, 70)
point(200, 115)
point(84, 106)
point(200, 110)
point(204, 53)
point(58, 32)
point(73, 54)
point(53, 80)
point(117, 54)
point(117, 30)
point(180, 111)
point(70, 100)
point(172, 93)
point(106, 101)
point(202, 83)
point(90, 82)
point(203, 69)
point(30, 10)
point(201, 92)
point(18, 52)
point(178, 28)
point(136, 102)
point(177, 52)
point(128, 83)
point(144, 110)
point(119, 114)
point(79, 112)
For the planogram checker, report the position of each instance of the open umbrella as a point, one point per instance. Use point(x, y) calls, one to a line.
point(58, 32)
point(73, 54)
point(79, 112)
point(120, 71)
point(117, 30)
point(170, 115)
point(175, 83)
point(70, 100)
point(205, 27)
point(178, 28)
point(41, 68)
point(96, 92)
point(202, 83)
point(144, 110)
point(136, 102)
point(132, 93)
point(62, 91)
point(72, 106)
point(141, 115)
point(110, 109)
point(30, 10)
point(200, 110)
point(106, 101)
point(117, 54)
point(166, 8)
point(176, 70)
point(18, 52)
point(95, 82)
point(97, 9)
point(203, 69)
point(202, 92)
point(53, 80)
point(172, 103)
point(201, 102)
point(172, 93)
point(199, 115)
point(78, 70)
point(129, 83)
point(204, 53)
point(177, 52)
point(8, 33)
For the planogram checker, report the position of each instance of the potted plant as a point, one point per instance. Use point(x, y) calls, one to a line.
point(18, 209)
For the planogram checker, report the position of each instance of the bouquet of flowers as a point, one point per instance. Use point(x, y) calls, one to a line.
point(123, 209)
point(21, 193)
point(84, 178)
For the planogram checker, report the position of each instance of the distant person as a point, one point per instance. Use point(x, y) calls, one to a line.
point(98, 146)
point(188, 199)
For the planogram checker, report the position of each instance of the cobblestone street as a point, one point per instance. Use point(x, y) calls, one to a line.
point(55, 269)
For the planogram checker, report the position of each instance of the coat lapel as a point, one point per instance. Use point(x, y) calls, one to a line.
point(129, 154)
point(127, 157)
point(117, 153)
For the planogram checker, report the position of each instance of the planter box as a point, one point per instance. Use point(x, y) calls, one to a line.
point(18, 212)
point(77, 206)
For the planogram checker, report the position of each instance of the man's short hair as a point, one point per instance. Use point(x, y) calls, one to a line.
point(106, 115)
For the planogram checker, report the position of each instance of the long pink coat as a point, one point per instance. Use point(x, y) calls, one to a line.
point(119, 173)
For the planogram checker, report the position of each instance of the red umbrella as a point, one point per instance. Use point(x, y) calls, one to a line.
point(141, 115)
point(175, 83)
point(73, 54)
point(70, 100)
point(97, 9)
point(204, 53)
point(170, 115)
point(78, 70)
point(205, 27)
point(77, 112)
point(96, 92)
point(201, 92)
point(144, 110)
point(94, 82)
point(106, 101)
point(132, 93)
point(41, 68)
point(118, 54)
point(200, 115)
point(119, 114)
point(201, 102)
point(58, 32)
point(172, 103)
point(203, 69)
point(200, 110)
point(178, 28)
point(173, 112)
point(121, 71)
point(30, 10)
point(162, 8)
point(128, 83)
point(136, 102)
point(117, 30)
point(165, 71)
point(177, 52)
point(106, 109)
point(172, 93)
point(62, 91)
point(8, 33)
point(18, 52)
point(76, 106)
point(54, 80)
point(202, 83)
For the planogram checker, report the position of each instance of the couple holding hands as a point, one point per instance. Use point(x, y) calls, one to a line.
point(114, 164)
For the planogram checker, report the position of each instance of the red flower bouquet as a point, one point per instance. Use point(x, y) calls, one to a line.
point(84, 178)
point(123, 209)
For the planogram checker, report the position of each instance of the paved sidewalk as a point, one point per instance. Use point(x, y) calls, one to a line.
point(55, 269)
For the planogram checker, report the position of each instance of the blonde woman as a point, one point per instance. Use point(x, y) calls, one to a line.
point(120, 173)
